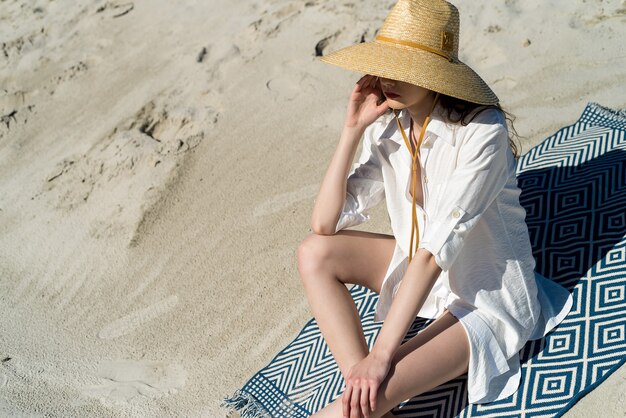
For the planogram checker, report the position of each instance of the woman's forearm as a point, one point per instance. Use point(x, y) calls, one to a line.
point(332, 194)
point(416, 284)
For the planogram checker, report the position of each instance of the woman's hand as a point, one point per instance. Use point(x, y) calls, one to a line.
point(365, 104)
point(362, 383)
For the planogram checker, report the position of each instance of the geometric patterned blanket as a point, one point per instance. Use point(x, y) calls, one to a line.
point(574, 192)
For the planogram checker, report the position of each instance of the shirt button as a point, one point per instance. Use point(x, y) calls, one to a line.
point(455, 213)
point(425, 179)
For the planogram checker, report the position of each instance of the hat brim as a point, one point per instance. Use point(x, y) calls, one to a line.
point(415, 66)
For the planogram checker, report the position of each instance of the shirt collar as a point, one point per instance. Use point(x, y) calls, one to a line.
point(436, 128)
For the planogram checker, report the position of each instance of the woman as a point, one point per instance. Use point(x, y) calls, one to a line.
point(436, 149)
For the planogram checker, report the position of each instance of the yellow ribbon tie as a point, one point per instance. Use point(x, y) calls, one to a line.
point(414, 156)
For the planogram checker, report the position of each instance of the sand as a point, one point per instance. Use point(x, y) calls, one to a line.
point(158, 166)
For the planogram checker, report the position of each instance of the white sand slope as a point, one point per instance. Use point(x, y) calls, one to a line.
point(158, 165)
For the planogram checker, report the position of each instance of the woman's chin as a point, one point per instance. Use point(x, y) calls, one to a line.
point(395, 105)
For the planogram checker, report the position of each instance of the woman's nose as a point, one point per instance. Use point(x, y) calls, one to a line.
point(385, 82)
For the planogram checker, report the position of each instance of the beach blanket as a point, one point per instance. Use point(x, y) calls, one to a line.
point(574, 192)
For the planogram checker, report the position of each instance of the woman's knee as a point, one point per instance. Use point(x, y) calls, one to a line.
point(313, 254)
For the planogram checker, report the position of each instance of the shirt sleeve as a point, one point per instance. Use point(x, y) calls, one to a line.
point(480, 175)
point(364, 186)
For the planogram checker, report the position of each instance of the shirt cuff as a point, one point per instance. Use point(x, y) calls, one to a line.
point(444, 238)
point(348, 219)
point(361, 196)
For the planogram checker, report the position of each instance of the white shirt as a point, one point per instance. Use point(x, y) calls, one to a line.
point(473, 224)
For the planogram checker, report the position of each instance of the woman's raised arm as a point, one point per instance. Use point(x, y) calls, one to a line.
point(363, 109)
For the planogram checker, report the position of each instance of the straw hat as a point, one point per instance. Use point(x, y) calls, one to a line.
point(418, 43)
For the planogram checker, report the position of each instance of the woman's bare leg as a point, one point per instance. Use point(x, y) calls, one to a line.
point(436, 355)
point(326, 263)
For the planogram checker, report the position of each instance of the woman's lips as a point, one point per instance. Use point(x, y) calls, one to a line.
point(391, 95)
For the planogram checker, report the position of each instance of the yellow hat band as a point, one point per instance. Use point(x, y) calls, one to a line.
point(416, 45)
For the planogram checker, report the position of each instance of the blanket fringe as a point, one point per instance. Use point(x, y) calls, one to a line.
point(245, 404)
point(607, 111)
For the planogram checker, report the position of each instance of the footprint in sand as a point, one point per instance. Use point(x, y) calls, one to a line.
point(323, 43)
point(14, 48)
point(127, 324)
point(290, 83)
point(15, 110)
point(507, 83)
point(71, 72)
point(126, 172)
point(270, 22)
point(280, 202)
point(130, 379)
point(586, 20)
point(115, 9)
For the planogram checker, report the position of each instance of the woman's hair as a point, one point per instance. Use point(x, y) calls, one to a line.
point(458, 110)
